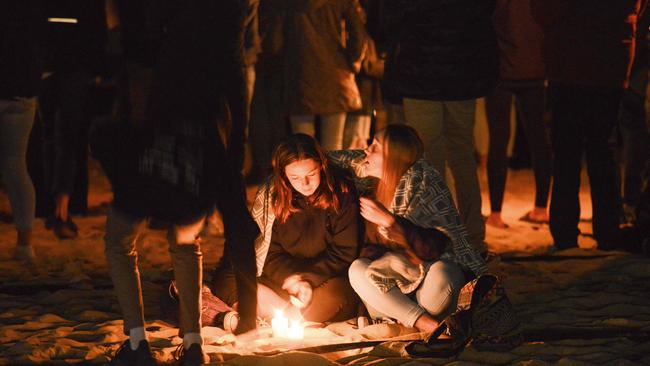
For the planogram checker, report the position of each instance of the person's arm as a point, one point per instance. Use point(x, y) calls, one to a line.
point(342, 246)
point(427, 244)
point(279, 264)
point(356, 42)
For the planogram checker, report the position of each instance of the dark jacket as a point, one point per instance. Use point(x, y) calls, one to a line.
point(21, 26)
point(176, 166)
point(443, 49)
point(319, 63)
point(319, 244)
point(591, 43)
point(521, 40)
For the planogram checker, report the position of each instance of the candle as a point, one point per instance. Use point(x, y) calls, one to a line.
point(296, 331)
point(279, 324)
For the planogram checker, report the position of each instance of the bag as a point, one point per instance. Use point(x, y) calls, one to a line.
point(484, 316)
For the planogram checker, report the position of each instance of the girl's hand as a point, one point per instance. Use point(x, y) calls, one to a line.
point(373, 211)
point(299, 288)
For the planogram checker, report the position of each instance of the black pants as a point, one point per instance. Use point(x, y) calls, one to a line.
point(529, 98)
point(583, 122)
point(632, 125)
point(65, 123)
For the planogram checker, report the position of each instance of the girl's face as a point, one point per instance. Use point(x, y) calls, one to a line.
point(304, 176)
point(375, 157)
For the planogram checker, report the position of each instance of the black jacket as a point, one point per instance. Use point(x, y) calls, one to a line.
point(442, 49)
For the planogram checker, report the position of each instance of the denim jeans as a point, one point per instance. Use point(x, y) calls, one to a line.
point(122, 233)
point(447, 131)
point(331, 130)
point(437, 295)
point(357, 131)
point(16, 121)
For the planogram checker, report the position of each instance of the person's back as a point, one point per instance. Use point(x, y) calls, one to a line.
point(446, 50)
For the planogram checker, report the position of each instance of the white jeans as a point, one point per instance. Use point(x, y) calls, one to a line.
point(331, 130)
point(437, 294)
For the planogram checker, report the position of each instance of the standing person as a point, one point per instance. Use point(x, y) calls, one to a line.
point(591, 46)
point(176, 168)
point(304, 195)
point(319, 65)
point(416, 256)
point(632, 124)
point(76, 43)
point(20, 71)
point(522, 76)
point(444, 58)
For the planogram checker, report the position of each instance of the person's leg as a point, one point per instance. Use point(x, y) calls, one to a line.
point(303, 124)
point(439, 290)
point(426, 117)
point(331, 131)
point(357, 131)
point(240, 231)
point(185, 250)
point(530, 103)
point(497, 109)
point(122, 232)
point(602, 168)
point(16, 120)
point(632, 124)
point(332, 301)
point(72, 91)
point(393, 304)
point(459, 135)
point(567, 139)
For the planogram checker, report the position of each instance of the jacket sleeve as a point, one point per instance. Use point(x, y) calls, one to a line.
point(279, 264)
point(428, 244)
point(356, 42)
point(342, 246)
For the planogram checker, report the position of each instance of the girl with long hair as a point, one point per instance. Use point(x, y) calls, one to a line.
point(417, 256)
point(315, 236)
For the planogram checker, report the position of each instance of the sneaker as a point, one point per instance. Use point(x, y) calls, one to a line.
point(24, 253)
point(191, 356)
point(125, 356)
point(227, 320)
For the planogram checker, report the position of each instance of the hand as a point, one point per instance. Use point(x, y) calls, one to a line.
point(373, 211)
point(299, 288)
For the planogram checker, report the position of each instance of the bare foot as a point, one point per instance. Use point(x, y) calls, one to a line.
point(425, 323)
point(494, 220)
point(539, 214)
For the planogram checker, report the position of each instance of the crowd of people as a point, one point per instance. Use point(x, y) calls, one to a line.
point(349, 113)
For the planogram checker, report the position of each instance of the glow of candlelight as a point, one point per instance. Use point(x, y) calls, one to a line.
point(280, 324)
point(296, 331)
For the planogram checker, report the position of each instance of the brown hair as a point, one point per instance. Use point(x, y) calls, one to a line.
point(401, 148)
point(303, 147)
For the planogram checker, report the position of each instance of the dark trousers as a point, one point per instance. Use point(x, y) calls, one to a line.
point(634, 133)
point(65, 123)
point(529, 98)
point(583, 122)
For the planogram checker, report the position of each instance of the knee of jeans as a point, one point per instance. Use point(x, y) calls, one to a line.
point(357, 272)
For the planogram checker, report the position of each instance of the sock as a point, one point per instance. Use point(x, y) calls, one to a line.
point(135, 336)
point(191, 338)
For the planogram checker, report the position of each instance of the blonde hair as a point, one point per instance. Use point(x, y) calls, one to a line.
point(402, 147)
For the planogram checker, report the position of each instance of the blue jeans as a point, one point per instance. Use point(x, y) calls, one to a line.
point(437, 294)
point(16, 121)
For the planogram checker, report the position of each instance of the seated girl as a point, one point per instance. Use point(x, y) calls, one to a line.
point(417, 256)
point(312, 238)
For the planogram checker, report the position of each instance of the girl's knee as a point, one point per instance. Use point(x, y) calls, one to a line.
point(357, 271)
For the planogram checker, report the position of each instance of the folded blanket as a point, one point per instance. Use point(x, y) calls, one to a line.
point(394, 269)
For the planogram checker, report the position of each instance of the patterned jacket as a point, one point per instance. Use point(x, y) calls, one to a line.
point(421, 197)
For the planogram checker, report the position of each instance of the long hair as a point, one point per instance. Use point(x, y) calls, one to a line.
point(401, 148)
point(303, 147)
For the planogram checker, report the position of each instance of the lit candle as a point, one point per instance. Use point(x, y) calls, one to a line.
point(296, 331)
point(279, 324)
